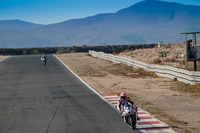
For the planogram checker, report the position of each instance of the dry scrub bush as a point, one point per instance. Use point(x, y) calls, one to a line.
point(125, 70)
point(139, 72)
point(169, 45)
point(157, 61)
point(171, 60)
point(144, 73)
point(193, 90)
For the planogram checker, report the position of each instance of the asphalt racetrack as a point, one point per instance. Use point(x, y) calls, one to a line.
point(50, 99)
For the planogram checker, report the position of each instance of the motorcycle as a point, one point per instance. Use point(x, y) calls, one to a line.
point(129, 115)
point(44, 61)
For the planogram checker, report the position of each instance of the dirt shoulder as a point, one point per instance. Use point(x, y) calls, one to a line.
point(2, 57)
point(160, 96)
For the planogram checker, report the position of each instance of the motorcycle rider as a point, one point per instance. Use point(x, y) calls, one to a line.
point(125, 100)
point(43, 58)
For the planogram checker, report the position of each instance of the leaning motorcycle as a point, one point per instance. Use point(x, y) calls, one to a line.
point(129, 115)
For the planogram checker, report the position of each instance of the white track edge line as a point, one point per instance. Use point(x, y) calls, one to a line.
point(111, 96)
point(87, 85)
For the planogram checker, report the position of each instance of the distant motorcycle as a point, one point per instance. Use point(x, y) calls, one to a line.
point(44, 60)
point(129, 115)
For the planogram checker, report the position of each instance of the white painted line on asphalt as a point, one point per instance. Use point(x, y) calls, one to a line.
point(141, 111)
point(111, 100)
point(114, 102)
point(159, 131)
point(147, 120)
point(141, 115)
point(111, 97)
point(115, 105)
point(87, 85)
point(150, 126)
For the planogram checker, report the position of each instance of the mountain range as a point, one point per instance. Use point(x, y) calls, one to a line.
point(145, 22)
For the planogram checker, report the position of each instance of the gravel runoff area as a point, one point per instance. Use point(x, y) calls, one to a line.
point(158, 95)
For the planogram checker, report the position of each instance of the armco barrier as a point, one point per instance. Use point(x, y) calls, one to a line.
point(186, 76)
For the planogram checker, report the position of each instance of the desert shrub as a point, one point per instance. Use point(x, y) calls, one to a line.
point(175, 79)
point(169, 45)
point(193, 90)
point(143, 73)
point(157, 61)
point(171, 60)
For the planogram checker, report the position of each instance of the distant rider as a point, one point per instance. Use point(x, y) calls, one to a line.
point(125, 100)
point(43, 58)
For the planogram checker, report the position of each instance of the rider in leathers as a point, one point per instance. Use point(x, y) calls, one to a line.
point(43, 58)
point(123, 100)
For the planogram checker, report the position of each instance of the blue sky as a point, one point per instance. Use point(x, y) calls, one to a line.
point(54, 11)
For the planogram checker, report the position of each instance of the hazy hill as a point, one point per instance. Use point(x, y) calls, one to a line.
point(145, 22)
point(17, 25)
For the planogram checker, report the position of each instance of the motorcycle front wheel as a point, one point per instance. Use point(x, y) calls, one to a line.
point(133, 121)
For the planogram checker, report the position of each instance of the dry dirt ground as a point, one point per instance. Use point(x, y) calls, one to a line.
point(162, 97)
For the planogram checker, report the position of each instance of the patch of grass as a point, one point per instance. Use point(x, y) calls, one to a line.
point(118, 93)
point(101, 86)
point(89, 71)
point(138, 100)
point(171, 60)
point(170, 120)
point(180, 126)
point(193, 90)
point(175, 79)
point(113, 85)
point(169, 45)
point(125, 70)
point(144, 73)
point(157, 61)
point(88, 54)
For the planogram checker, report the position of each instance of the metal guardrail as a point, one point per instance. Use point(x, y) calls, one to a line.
point(191, 77)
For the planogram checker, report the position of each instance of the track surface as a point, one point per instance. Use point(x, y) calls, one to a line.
point(50, 99)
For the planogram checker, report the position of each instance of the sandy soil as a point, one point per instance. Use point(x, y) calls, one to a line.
point(155, 94)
